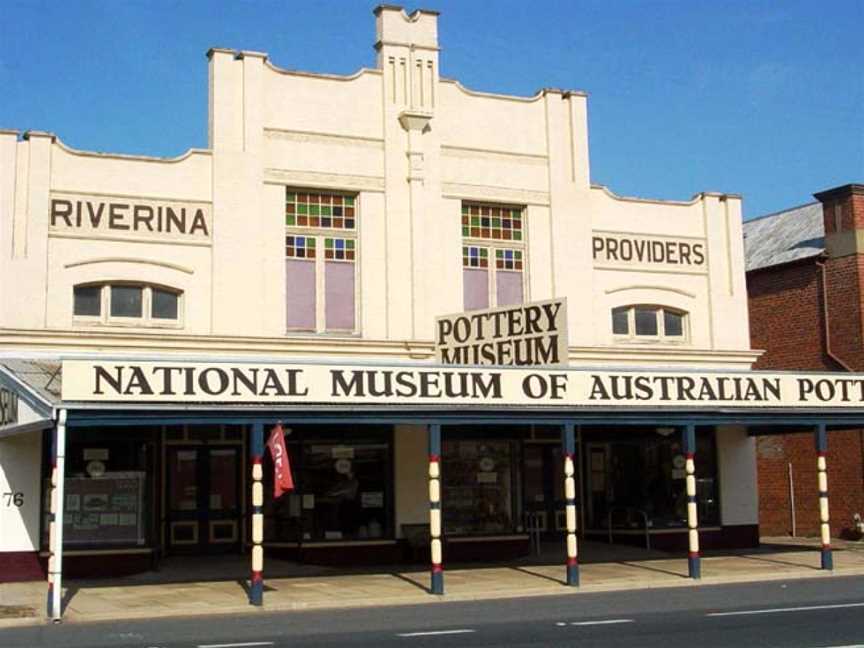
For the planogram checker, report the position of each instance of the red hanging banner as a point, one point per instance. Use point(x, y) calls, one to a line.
point(282, 479)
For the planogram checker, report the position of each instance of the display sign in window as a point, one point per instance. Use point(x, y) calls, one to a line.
point(104, 510)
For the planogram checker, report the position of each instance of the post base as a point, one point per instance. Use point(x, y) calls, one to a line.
point(437, 582)
point(573, 575)
point(694, 566)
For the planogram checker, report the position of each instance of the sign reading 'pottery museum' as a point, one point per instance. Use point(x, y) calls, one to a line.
point(333, 384)
point(532, 334)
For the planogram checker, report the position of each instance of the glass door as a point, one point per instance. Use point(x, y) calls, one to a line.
point(203, 504)
point(543, 488)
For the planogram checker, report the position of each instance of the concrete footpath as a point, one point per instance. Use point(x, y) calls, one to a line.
point(154, 596)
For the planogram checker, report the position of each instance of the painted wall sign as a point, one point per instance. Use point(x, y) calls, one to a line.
point(8, 407)
point(532, 334)
point(611, 249)
point(132, 218)
point(186, 382)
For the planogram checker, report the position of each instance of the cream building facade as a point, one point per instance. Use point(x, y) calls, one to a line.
point(333, 218)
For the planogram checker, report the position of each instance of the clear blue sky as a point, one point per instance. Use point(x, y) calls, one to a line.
point(765, 99)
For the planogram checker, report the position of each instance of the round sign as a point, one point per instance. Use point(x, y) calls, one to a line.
point(679, 461)
point(343, 466)
point(487, 464)
point(95, 468)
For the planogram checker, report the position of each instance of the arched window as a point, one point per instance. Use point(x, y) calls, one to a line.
point(132, 304)
point(645, 323)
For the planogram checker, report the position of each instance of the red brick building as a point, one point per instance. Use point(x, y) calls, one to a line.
point(805, 281)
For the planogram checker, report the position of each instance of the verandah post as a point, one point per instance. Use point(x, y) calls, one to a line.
point(569, 442)
point(55, 519)
point(256, 585)
point(822, 468)
point(694, 566)
point(436, 551)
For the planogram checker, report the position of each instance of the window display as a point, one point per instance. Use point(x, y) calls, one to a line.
point(108, 499)
point(644, 473)
point(478, 487)
point(343, 489)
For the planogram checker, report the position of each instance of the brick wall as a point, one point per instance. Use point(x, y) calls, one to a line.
point(786, 319)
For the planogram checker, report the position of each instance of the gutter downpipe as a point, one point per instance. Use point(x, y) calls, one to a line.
point(827, 321)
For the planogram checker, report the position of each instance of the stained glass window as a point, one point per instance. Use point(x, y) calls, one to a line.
point(300, 247)
point(319, 209)
point(491, 222)
point(475, 257)
point(339, 249)
point(507, 259)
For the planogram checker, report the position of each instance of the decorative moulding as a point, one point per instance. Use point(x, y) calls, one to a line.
point(416, 120)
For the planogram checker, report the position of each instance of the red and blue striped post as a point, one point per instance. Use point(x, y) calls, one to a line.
point(256, 584)
point(822, 467)
point(55, 519)
point(435, 509)
point(569, 441)
point(694, 566)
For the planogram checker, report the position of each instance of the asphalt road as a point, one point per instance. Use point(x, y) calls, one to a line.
point(812, 613)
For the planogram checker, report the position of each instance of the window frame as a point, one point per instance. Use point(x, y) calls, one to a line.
point(320, 234)
point(145, 321)
point(494, 244)
point(659, 313)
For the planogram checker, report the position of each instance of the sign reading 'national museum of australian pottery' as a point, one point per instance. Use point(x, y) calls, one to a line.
point(532, 334)
point(126, 381)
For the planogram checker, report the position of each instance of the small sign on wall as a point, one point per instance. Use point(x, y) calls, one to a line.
point(8, 407)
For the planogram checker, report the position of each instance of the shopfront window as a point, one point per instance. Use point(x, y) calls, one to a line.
point(343, 488)
point(108, 499)
point(479, 491)
point(644, 472)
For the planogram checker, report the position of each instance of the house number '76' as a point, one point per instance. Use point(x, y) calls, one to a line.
point(13, 499)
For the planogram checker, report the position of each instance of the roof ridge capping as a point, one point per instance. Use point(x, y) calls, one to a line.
point(782, 212)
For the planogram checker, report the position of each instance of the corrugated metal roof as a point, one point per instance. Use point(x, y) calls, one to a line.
point(789, 235)
point(43, 377)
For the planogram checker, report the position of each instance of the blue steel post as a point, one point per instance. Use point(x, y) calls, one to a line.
point(569, 441)
point(822, 467)
point(256, 452)
point(694, 566)
point(435, 509)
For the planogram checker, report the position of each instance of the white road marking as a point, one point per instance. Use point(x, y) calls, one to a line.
point(248, 644)
point(605, 622)
point(789, 609)
point(435, 632)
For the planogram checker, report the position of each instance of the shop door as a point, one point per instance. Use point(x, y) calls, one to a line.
point(544, 487)
point(203, 504)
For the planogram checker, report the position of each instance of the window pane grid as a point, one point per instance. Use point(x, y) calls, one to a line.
point(300, 247)
point(508, 259)
point(319, 209)
point(475, 257)
point(140, 304)
point(339, 249)
point(492, 222)
point(648, 322)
